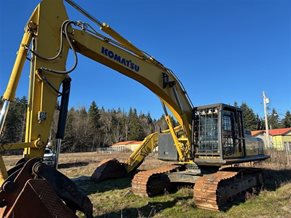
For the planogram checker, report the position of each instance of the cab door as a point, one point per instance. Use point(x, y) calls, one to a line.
point(232, 135)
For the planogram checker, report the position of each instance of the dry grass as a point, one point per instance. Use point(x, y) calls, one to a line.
point(114, 198)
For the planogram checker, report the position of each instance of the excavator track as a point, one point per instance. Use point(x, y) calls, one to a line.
point(153, 182)
point(217, 191)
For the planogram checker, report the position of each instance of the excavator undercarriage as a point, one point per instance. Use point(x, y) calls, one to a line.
point(218, 141)
point(214, 188)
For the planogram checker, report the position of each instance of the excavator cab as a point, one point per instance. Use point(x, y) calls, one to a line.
point(218, 132)
point(218, 136)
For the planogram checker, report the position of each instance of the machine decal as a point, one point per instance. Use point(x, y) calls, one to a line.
point(119, 59)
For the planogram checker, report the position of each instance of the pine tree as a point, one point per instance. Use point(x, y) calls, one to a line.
point(94, 116)
point(14, 127)
point(273, 120)
point(94, 125)
point(135, 128)
point(286, 122)
point(68, 144)
point(249, 117)
point(261, 123)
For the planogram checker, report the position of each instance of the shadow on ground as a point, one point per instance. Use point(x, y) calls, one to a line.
point(74, 164)
point(148, 210)
point(274, 178)
point(91, 187)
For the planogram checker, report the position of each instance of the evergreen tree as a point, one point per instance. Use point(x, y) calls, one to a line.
point(249, 118)
point(286, 122)
point(273, 120)
point(261, 123)
point(94, 116)
point(95, 125)
point(68, 144)
point(135, 128)
point(117, 124)
point(14, 126)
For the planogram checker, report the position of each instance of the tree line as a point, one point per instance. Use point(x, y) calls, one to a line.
point(88, 129)
point(97, 127)
point(85, 129)
point(252, 121)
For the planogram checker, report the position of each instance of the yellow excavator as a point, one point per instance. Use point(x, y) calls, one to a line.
point(206, 139)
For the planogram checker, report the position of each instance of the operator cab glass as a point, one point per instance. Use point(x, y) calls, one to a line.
point(218, 133)
point(208, 132)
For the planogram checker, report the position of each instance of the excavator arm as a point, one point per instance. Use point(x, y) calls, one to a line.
point(49, 35)
point(42, 34)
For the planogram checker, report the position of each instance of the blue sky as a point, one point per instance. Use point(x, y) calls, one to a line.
point(222, 51)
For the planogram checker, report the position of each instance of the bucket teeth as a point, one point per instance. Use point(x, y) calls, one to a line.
point(109, 169)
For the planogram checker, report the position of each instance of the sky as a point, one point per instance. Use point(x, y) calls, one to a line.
point(223, 51)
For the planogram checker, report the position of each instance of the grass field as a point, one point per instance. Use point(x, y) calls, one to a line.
point(114, 198)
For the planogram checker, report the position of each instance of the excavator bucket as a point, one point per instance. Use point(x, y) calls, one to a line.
point(34, 190)
point(37, 199)
point(109, 169)
point(112, 168)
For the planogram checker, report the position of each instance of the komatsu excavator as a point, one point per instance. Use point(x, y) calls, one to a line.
point(206, 139)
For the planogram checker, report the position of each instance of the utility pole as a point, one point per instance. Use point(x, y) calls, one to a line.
point(266, 101)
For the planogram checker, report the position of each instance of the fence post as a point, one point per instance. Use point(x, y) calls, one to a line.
point(287, 152)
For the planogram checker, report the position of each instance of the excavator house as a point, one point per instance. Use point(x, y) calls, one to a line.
point(204, 149)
